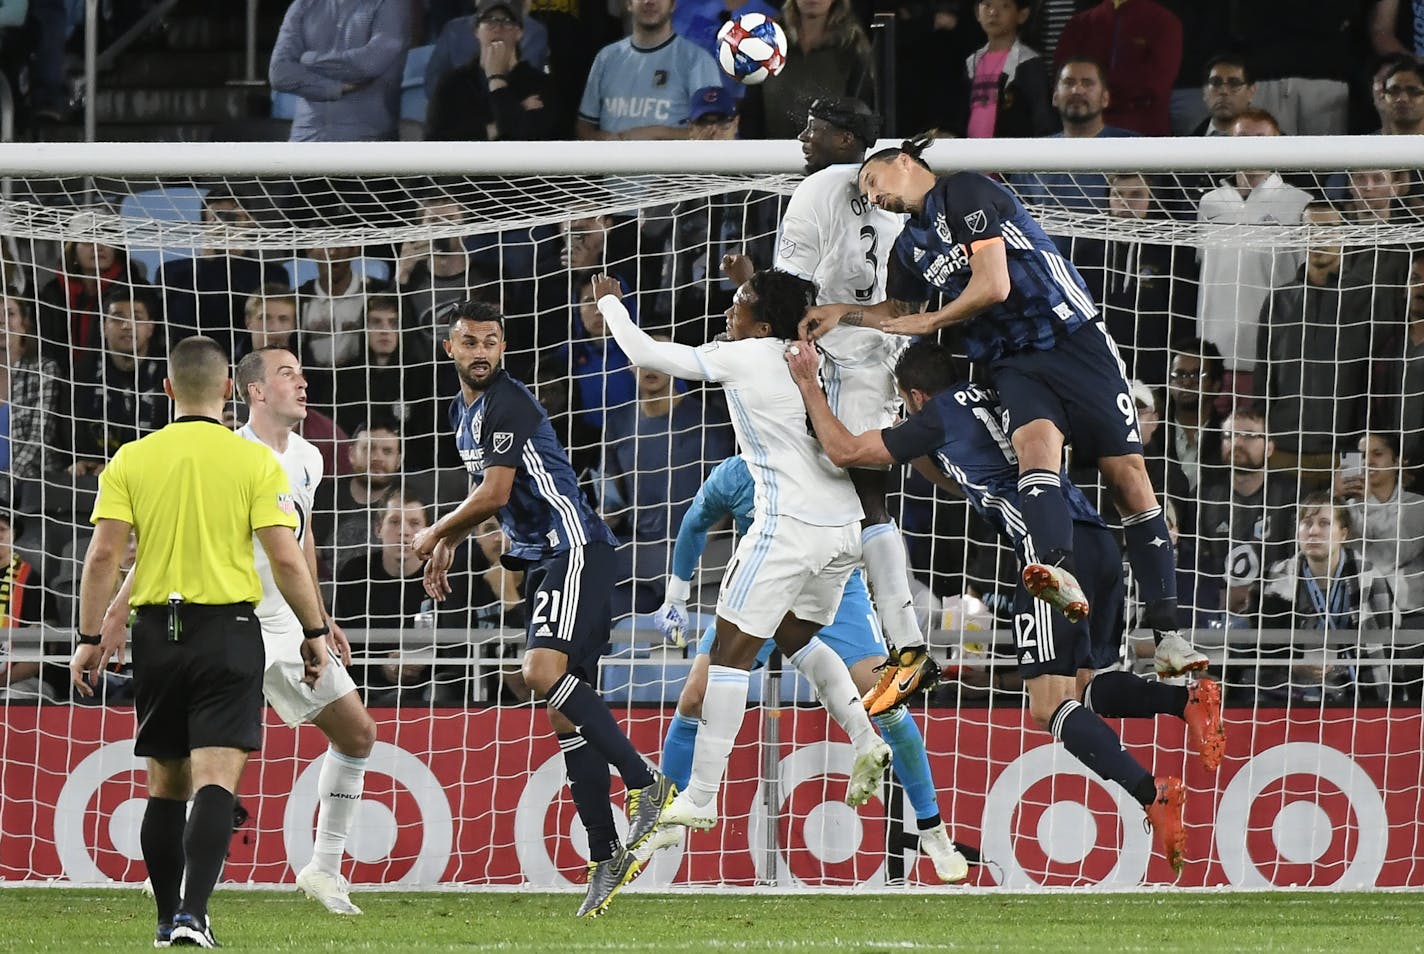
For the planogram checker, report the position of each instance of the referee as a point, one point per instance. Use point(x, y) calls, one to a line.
point(194, 493)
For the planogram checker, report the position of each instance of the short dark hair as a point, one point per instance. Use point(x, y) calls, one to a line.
point(1324, 500)
point(1212, 364)
point(928, 366)
point(475, 310)
point(1228, 59)
point(252, 369)
point(131, 294)
point(1080, 59)
point(1403, 66)
point(782, 300)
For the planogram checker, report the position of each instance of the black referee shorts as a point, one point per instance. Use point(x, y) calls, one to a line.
point(203, 690)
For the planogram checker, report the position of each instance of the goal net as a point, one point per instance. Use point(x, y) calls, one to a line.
point(1272, 322)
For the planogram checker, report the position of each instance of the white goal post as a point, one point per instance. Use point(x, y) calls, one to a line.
point(1320, 782)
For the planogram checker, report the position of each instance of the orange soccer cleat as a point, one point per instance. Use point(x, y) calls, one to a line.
point(905, 673)
point(1204, 728)
point(1164, 816)
point(1058, 588)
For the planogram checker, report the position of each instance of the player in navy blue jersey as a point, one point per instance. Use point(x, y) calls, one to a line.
point(521, 473)
point(1025, 313)
point(955, 425)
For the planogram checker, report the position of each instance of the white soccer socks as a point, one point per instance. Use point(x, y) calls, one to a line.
point(887, 573)
point(828, 673)
point(340, 783)
point(723, 707)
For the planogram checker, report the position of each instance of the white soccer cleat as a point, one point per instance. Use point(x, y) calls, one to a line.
point(686, 813)
point(869, 769)
point(666, 837)
point(330, 891)
point(1177, 657)
point(949, 864)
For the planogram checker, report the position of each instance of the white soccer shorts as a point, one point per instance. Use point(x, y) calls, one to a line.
point(294, 700)
point(785, 566)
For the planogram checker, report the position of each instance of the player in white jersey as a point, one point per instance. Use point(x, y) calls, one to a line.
point(270, 381)
point(790, 568)
point(831, 235)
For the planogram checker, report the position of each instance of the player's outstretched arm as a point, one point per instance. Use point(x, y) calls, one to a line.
point(842, 447)
point(988, 286)
point(642, 351)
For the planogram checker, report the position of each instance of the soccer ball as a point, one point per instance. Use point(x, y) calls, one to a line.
point(751, 48)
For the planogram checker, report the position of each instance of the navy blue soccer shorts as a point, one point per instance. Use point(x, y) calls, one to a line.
point(1078, 384)
point(567, 600)
point(1046, 643)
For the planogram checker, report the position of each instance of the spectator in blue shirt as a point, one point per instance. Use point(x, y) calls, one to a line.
point(344, 58)
point(641, 86)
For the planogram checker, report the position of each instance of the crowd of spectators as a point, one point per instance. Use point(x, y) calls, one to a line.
point(1279, 390)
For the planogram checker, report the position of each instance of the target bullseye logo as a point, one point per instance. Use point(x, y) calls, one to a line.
point(1047, 821)
point(820, 839)
point(552, 844)
point(376, 835)
point(1302, 813)
point(98, 815)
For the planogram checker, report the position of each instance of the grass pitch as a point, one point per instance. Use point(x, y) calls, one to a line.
point(1159, 923)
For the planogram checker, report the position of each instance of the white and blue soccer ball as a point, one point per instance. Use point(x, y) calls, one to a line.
point(751, 48)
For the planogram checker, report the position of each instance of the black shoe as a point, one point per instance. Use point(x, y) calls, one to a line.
point(188, 931)
point(164, 937)
point(644, 805)
point(606, 879)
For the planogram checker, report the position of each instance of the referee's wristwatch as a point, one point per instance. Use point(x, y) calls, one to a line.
point(317, 633)
point(86, 640)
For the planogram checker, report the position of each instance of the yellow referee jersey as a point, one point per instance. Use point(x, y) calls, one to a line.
point(194, 493)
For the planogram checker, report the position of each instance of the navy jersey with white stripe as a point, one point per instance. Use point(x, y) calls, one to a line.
point(1047, 297)
point(960, 430)
point(506, 427)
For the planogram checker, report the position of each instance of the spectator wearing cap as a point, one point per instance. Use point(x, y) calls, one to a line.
point(1009, 80)
point(712, 114)
point(828, 54)
point(207, 294)
point(641, 86)
point(461, 40)
point(497, 94)
point(345, 62)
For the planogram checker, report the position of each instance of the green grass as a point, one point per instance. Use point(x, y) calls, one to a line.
point(1159, 923)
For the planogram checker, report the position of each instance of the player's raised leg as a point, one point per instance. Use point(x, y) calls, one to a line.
point(1117, 694)
point(1047, 647)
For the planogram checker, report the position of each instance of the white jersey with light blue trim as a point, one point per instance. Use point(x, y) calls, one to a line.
point(303, 465)
point(833, 236)
point(793, 475)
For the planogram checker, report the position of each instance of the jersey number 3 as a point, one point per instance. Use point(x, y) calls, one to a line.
point(871, 239)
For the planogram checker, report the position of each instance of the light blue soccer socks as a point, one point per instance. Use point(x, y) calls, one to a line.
point(911, 763)
point(677, 749)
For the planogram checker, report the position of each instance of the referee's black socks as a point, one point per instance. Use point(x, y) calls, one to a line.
point(205, 843)
point(161, 838)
